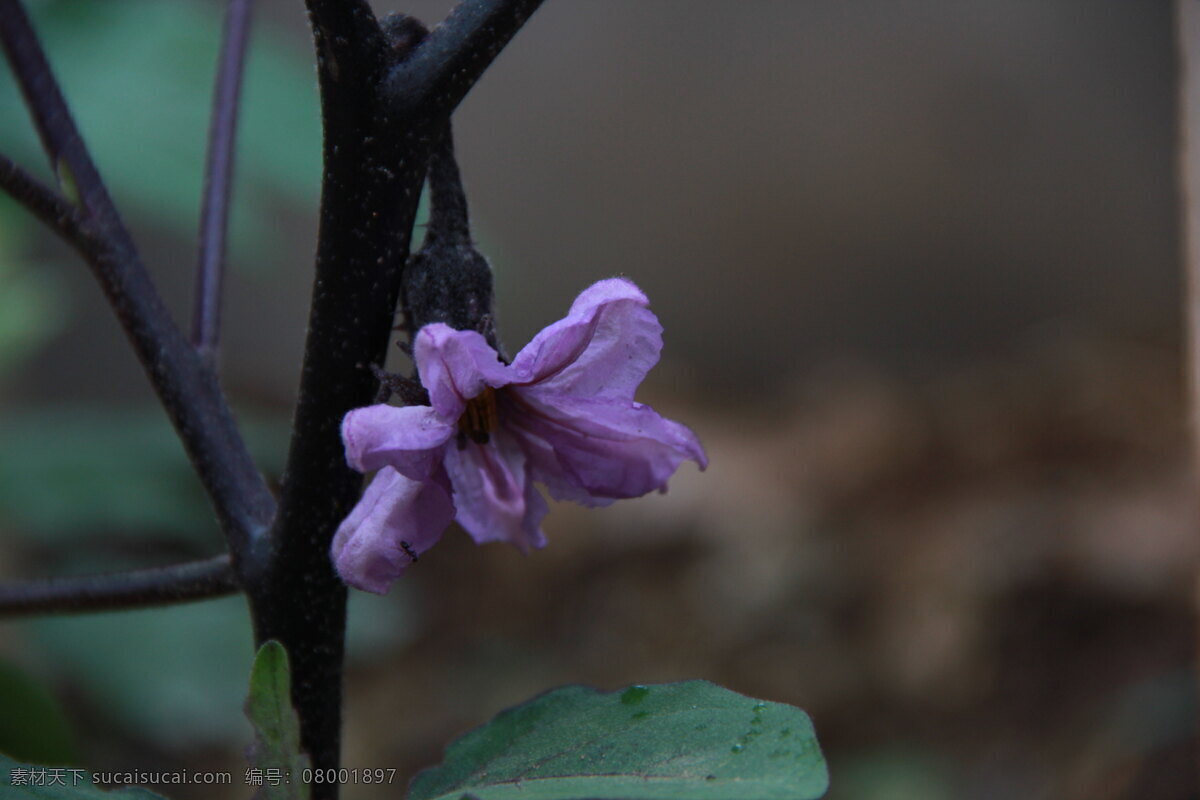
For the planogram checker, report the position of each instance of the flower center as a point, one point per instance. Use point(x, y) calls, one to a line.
point(478, 419)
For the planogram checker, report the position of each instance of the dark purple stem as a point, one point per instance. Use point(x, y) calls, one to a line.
point(300, 601)
point(443, 69)
point(179, 583)
point(377, 143)
point(218, 179)
point(188, 390)
point(350, 44)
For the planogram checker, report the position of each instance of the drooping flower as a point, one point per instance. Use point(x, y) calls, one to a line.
point(562, 414)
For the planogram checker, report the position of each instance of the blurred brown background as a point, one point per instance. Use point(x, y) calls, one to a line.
point(917, 264)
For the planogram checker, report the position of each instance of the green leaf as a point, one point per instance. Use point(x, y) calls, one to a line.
point(276, 726)
point(679, 740)
point(33, 726)
point(177, 675)
point(29, 782)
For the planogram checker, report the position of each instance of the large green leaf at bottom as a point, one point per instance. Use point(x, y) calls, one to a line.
point(681, 740)
point(29, 782)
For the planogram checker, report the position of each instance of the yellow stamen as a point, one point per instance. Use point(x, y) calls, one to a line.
point(478, 419)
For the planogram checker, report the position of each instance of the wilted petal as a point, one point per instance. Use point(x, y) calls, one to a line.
point(544, 467)
point(492, 493)
point(455, 366)
point(369, 547)
point(410, 439)
point(603, 347)
point(610, 449)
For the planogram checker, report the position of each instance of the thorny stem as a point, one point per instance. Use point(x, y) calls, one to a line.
point(179, 583)
point(218, 177)
point(188, 390)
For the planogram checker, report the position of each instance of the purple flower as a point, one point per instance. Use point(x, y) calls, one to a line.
point(561, 414)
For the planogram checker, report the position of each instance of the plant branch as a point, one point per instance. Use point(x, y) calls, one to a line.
point(218, 177)
point(440, 72)
point(300, 601)
point(187, 389)
point(157, 586)
point(41, 200)
point(69, 158)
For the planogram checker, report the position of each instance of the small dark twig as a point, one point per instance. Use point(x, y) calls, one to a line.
point(179, 583)
point(409, 390)
point(45, 203)
point(218, 177)
point(440, 72)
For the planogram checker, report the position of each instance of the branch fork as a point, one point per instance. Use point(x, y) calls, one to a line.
point(387, 91)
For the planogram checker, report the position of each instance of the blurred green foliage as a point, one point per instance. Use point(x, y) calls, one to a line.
point(72, 471)
point(895, 773)
point(138, 75)
point(178, 676)
point(33, 305)
point(78, 481)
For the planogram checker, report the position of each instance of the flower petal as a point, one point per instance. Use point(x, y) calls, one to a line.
point(545, 468)
point(455, 366)
point(495, 499)
point(395, 519)
point(609, 449)
point(604, 347)
point(410, 439)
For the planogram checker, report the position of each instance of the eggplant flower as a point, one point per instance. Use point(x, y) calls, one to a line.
point(562, 414)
